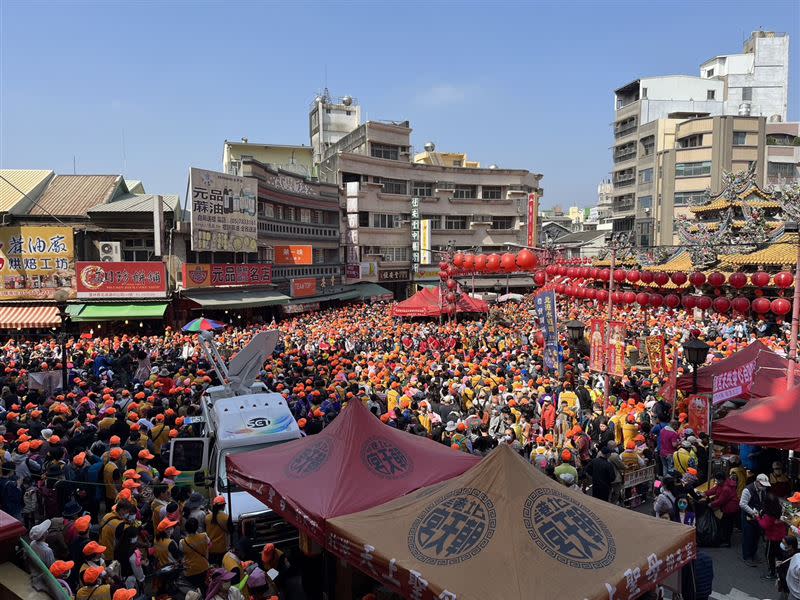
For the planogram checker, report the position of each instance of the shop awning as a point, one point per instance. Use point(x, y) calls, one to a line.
point(236, 298)
point(28, 317)
point(343, 295)
point(114, 312)
point(372, 290)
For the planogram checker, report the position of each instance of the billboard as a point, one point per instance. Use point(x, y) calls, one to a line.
point(223, 212)
point(303, 288)
point(533, 213)
point(35, 262)
point(221, 274)
point(294, 255)
point(121, 280)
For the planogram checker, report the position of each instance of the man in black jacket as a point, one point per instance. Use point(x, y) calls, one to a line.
point(602, 473)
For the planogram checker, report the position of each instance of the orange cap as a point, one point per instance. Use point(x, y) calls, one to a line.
point(566, 455)
point(92, 574)
point(166, 524)
point(24, 448)
point(218, 500)
point(61, 568)
point(145, 454)
point(93, 548)
point(116, 453)
point(54, 439)
point(122, 594)
point(114, 440)
point(172, 472)
point(83, 523)
point(79, 459)
point(131, 474)
point(130, 484)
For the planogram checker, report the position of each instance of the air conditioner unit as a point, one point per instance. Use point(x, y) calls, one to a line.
point(109, 251)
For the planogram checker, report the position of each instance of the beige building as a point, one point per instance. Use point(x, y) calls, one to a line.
point(293, 159)
point(468, 207)
point(783, 152)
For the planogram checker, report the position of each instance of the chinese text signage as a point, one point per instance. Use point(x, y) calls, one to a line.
point(548, 320)
point(393, 275)
point(733, 383)
point(223, 212)
point(616, 348)
point(303, 288)
point(656, 354)
point(415, 235)
point(121, 280)
point(221, 274)
point(35, 262)
point(533, 210)
point(293, 255)
point(699, 414)
point(597, 344)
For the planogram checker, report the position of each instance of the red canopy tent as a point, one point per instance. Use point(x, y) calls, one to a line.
point(751, 359)
point(427, 303)
point(773, 422)
point(355, 463)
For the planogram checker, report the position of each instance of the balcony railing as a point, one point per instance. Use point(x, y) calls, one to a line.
point(626, 156)
point(623, 131)
point(621, 183)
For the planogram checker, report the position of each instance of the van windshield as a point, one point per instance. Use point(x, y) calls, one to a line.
point(222, 473)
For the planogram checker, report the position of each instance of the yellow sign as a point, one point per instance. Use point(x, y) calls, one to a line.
point(425, 242)
point(35, 262)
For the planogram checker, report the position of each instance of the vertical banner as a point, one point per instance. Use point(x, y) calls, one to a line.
point(656, 354)
point(415, 236)
point(425, 242)
point(533, 213)
point(597, 339)
point(616, 348)
point(548, 319)
point(699, 411)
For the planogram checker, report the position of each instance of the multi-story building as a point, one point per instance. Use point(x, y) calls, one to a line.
point(648, 110)
point(783, 152)
point(292, 159)
point(468, 207)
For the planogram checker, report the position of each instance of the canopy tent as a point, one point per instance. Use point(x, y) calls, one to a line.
point(427, 303)
point(773, 422)
point(355, 463)
point(505, 530)
point(118, 311)
point(751, 359)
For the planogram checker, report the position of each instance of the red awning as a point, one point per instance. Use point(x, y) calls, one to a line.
point(355, 463)
point(28, 317)
point(427, 303)
point(773, 422)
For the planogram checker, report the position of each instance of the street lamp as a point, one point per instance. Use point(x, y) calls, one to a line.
point(695, 352)
point(61, 296)
point(575, 331)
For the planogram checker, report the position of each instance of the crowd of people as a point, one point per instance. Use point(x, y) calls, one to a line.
point(86, 468)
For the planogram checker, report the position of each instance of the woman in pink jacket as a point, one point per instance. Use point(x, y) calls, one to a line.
point(723, 498)
point(774, 531)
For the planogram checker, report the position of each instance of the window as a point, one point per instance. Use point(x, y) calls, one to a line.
point(288, 213)
point(491, 192)
point(317, 256)
point(692, 141)
point(502, 222)
point(464, 192)
point(782, 139)
point(457, 163)
point(422, 189)
point(644, 93)
point(710, 94)
point(384, 151)
point(436, 220)
point(646, 176)
point(747, 93)
point(645, 202)
point(739, 138)
point(363, 218)
point(710, 73)
point(188, 455)
point(686, 198)
point(455, 222)
point(385, 221)
point(388, 253)
point(137, 250)
point(648, 145)
point(392, 186)
point(266, 254)
point(785, 170)
point(305, 215)
point(693, 169)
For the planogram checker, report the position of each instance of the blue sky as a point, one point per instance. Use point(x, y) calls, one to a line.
point(525, 85)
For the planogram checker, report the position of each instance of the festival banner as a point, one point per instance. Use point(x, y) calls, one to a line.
point(656, 354)
point(223, 212)
point(293, 255)
point(699, 411)
point(122, 280)
point(533, 211)
point(616, 348)
point(733, 383)
point(548, 320)
point(35, 262)
point(225, 274)
point(597, 343)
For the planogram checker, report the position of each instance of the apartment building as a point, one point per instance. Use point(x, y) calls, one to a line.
point(783, 152)
point(648, 111)
point(467, 206)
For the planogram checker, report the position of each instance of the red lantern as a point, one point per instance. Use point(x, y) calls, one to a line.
point(716, 279)
point(592, 295)
point(760, 279)
point(783, 279)
point(672, 300)
point(632, 276)
point(740, 304)
point(450, 297)
point(571, 272)
point(492, 263)
point(443, 265)
point(458, 259)
point(628, 297)
point(761, 306)
point(601, 295)
point(526, 259)
point(469, 262)
point(443, 275)
point(539, 338)
point(656, 300)
point(539, 278)
point(480, 263)
point(737, 280)
point(660, 279)
point(508, 262)
point(617, 297)
point(721, 304)
point(689, 301)
point(451, 284)
point(704, 302)
point(619, 275)
point(560, 289)
point(678, 278)
point(646, 277)
point(697, 279)
point(780, 306)
point(642, 298)
point(551, 270)
point(604, 274)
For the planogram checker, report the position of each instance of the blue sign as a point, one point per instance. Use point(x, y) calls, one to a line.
point(548, 319)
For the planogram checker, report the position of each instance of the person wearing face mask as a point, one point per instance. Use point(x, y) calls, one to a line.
point(774, 531)
point(751, 504)
point(220, 587)
point(113, 523)
point(723, 499)
point(686, 512)
point(131, 559)
point(779, 482)
point(788, 549)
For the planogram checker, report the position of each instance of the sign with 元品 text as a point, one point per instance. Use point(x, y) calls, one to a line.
point(226, 274)
point(223, 212)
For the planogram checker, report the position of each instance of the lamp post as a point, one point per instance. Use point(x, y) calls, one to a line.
point(61, 297)
point(619, 245)
point(695, 352)
point(575, 331)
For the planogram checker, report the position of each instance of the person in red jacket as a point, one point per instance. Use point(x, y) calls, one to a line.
point(774, 531)
point(548, 416)
point(723, 497)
